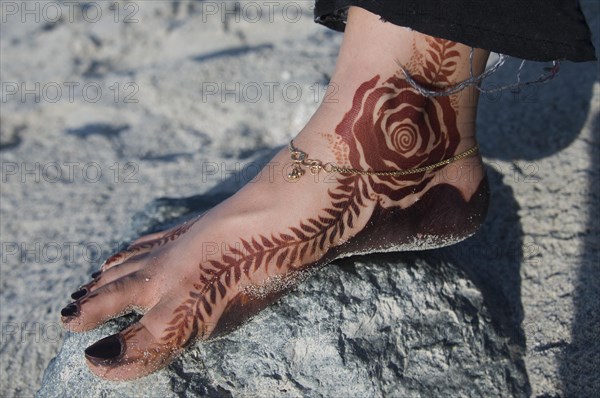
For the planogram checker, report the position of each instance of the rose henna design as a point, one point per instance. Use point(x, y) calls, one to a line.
point(392, 127)
point(389, 126)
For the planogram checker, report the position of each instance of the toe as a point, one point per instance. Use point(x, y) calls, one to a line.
point(114, 299)
point(132, 251)
point(149, 242)
point(101, 278)
point(136, 351)
point(148, 238)
point(118, 271)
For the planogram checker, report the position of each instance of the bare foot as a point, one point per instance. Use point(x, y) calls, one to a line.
point(204, 278)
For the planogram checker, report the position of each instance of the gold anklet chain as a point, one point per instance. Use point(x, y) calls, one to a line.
point(301, 162)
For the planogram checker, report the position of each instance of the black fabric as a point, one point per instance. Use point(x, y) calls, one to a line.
point(539, 30)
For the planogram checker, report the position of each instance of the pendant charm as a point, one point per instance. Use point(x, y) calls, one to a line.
point(296, 173)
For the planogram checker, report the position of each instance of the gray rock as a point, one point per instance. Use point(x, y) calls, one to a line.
point(397, 325)
point(438, 323)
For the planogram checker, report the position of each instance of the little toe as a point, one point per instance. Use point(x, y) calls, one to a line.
point(132, 251)
point(115, 272)
point(148, 238)
point(116, 259)
point(114, 299)
point(121, 257)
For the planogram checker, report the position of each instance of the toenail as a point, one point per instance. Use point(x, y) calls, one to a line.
point(70, 310)
point(108, 348)
point(96, 274)
point(79, 294)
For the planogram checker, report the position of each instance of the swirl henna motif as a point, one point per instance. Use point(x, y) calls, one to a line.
point(392, 127)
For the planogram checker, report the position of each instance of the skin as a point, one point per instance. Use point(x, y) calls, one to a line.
point(206, 277)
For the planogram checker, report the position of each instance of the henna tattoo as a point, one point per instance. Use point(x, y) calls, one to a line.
point(389, 126)
point(392, 127)
point(441, 60)
point(286, 251)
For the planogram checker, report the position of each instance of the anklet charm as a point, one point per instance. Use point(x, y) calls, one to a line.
point(301, 162)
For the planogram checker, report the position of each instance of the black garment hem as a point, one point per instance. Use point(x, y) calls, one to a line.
point(565, 36)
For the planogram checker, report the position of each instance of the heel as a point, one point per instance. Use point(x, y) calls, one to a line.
point(441, 217)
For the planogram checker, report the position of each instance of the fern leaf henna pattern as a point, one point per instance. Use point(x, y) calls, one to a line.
point(288, 253)
point(387, 126)
point(441, 59)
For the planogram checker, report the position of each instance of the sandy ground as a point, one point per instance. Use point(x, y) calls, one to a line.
point(116, 104)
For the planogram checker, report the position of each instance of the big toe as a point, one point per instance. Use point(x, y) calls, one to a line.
point(132, 353)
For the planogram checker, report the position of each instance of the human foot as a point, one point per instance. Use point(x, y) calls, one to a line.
point(207, 276)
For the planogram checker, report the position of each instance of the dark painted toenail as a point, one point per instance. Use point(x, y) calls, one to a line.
point(96, 274)
point(108, 348)
point(79, 294)
point(69, 310)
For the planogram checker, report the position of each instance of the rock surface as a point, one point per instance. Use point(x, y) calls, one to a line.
point(394, 325)
point(377, 326)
